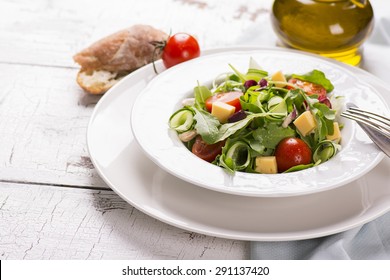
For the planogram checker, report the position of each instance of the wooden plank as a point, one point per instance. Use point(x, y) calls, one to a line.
point(44, 114)
point(43, 120)
point(43, 222)
point(49, 32)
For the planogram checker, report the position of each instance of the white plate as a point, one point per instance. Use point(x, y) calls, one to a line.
point(124, 167)
point(162, 97)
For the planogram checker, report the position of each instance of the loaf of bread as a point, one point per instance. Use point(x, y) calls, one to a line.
point(108, 60)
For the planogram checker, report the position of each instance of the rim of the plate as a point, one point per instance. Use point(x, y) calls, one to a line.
point(246, 182)
point(360, 219)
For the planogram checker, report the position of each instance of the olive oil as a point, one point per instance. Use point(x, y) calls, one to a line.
point(332, 28)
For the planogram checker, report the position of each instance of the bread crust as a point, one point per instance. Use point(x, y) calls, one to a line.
point(121, 52)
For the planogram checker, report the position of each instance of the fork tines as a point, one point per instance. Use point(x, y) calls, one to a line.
point(373, 120)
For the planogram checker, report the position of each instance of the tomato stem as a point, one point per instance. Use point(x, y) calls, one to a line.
point(158, 46)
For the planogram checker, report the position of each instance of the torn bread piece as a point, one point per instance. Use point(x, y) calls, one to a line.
point(97, 81)
point(108, 60)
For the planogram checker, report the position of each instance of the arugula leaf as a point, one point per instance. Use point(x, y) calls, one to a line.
point(238, 73)
point(310, 139)
point(324, 117)
point(317, 77)
point(206, 125)
point(201, 94)
point(321, 130)
point(299, 167)
point(230, 85)
point(256, 147)
point(252, 100)
point(248, 106)
point(326, 111)
point(270, 135)
point(229, 129)
point(297, 97)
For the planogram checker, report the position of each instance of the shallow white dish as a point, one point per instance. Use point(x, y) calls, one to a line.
point(162, 97)
point(124, 167)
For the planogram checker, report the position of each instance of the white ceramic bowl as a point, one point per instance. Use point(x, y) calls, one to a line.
point(162, 97)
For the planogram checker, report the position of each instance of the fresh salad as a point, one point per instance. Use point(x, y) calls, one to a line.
point(259, 122)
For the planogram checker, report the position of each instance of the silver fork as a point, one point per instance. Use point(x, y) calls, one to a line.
point(376, 126)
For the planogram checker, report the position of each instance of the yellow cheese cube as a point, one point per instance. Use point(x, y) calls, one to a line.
point(279, 77)
point(305, 123)
point(266, 165)
point(222, 111)
point(336, 136)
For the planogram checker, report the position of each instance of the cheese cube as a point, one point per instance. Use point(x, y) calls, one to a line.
point(305, 123)
point(266, 165)
point(336, 136)
point(279, 77)
point(222, 111)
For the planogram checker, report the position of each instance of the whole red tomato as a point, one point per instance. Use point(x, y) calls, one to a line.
point(290, 152)
point(179, 48)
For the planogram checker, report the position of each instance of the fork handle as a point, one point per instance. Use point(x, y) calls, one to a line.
point(380, 140)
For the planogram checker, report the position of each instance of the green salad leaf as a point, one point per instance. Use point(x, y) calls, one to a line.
point(271, 134)
point(299, 167)
point(201, 94)
point(206, 125)
point(317, 77)
point(229, 129)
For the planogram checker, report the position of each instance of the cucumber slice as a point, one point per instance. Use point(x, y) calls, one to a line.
point(325, 151)
point(182, 120)
point(239, 155)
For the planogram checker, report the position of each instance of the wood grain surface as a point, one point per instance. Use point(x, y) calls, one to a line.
point(51, 222)
point(53, 204)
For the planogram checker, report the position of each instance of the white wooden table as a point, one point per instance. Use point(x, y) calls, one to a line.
point(53, 204)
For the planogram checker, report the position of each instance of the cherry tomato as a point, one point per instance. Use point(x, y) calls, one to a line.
point(290, 152)
point(232, 98)
point(206, 151)
point(309, 88)
point(179, 48)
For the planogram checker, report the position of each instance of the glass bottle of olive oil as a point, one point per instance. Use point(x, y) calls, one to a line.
point(332, 28)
